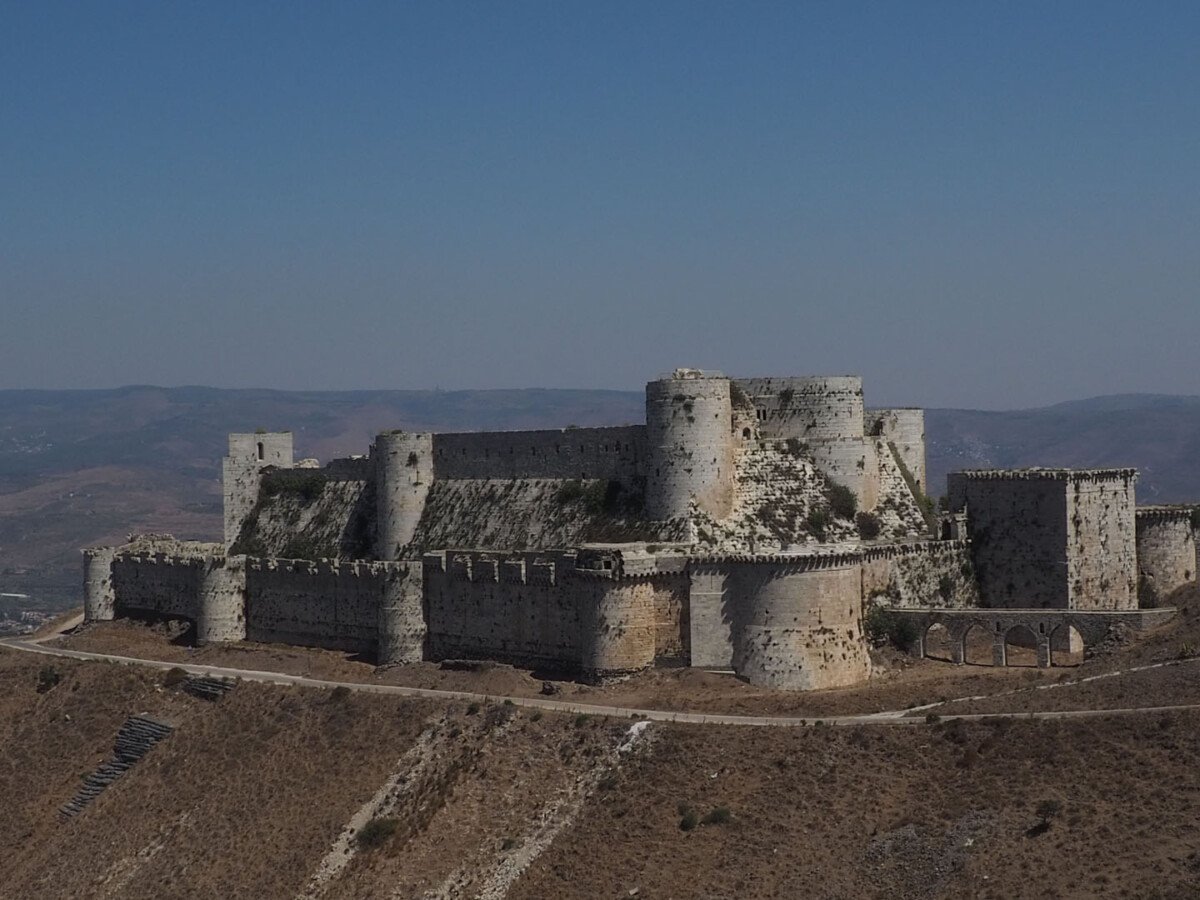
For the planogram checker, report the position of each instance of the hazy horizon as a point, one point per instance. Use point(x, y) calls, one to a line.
point(970, 205)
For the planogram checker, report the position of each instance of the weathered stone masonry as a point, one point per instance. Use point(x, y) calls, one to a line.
point(704, 537)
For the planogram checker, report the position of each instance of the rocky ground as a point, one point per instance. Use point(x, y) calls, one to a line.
point(252, 796)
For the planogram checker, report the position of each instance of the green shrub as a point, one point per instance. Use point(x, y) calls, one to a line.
point(48, 679)
point(718, 815)
point(339, 694)
point(472, 709)
point(946, 587)
point(842, 502)
point(818, 523)
point(869, 525)
point(376, 832)
point(688, 820)
point(174, 676)
point(881, 626)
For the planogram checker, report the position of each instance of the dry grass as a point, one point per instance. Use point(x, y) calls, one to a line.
point(249, 793)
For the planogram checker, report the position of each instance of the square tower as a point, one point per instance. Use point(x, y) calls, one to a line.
point(241, 474)
point(1051, 538)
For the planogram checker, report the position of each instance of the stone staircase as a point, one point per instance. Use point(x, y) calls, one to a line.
point(207, 687)
point(134, 740)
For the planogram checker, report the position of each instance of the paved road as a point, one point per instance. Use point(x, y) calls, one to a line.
point(892, 717)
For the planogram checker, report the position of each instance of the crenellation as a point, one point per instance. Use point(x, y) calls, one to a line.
point(708, 536)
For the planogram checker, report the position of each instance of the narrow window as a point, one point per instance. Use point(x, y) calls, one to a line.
point(261, 452)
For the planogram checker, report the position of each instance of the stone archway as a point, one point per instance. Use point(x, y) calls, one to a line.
point(1020, 646)
point(976, 645)
point(1066, 645)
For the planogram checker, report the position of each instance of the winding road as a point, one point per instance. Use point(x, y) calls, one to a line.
point(891, 717)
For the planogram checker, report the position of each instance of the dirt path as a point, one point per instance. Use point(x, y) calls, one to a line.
point(891, 717)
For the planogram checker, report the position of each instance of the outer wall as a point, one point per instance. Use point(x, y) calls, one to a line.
point(798, 629)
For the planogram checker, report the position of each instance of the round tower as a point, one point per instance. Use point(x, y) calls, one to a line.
point(617, 626)
point(222, 614)
point(689, 437)
point(1166, 552)
point(403, 476)
point(99, 598)
point(401, 614)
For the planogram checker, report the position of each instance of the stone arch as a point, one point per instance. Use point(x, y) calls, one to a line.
point(745, 434)
point(975, 644)
point(1066, 645)
point(937, 640)
point(1020, 645)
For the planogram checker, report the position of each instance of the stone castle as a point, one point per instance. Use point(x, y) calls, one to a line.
point(749, 524)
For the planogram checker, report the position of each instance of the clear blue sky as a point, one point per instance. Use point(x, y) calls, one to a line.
point(974, 204)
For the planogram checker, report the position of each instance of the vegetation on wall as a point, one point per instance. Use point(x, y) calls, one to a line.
point(924, 503)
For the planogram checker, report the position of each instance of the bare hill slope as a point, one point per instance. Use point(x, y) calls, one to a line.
point(252, 796)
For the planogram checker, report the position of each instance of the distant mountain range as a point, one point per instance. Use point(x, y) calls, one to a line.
point(85, 467)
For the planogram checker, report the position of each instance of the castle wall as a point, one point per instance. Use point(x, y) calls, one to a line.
point(1018, 531)
point(157, 586)
point(511, 607)
point(99, 599)
point(904, 429)
point(710, 616)
point(690, 446)
point(797, 625)
point(574, 453)
point(330, 605)
point(1101, 542)
point(1166, 552)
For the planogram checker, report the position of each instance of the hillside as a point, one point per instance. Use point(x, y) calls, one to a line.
point(84, 467)
point(269, 792)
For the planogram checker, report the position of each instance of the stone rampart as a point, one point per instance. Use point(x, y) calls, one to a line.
point(583, 453)
point(1166, 552)
point(157, 585)
point(502, 606)
point(322, 603)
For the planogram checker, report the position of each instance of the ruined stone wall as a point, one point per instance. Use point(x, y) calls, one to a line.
point(335, 605)
point(927, 573)
point(689, 446)
point(248, 455)
point(1101, 541)
point(797, 623)
point(1166, 552)
point(905, 429)
point(581, 453)
point(1018, 533)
